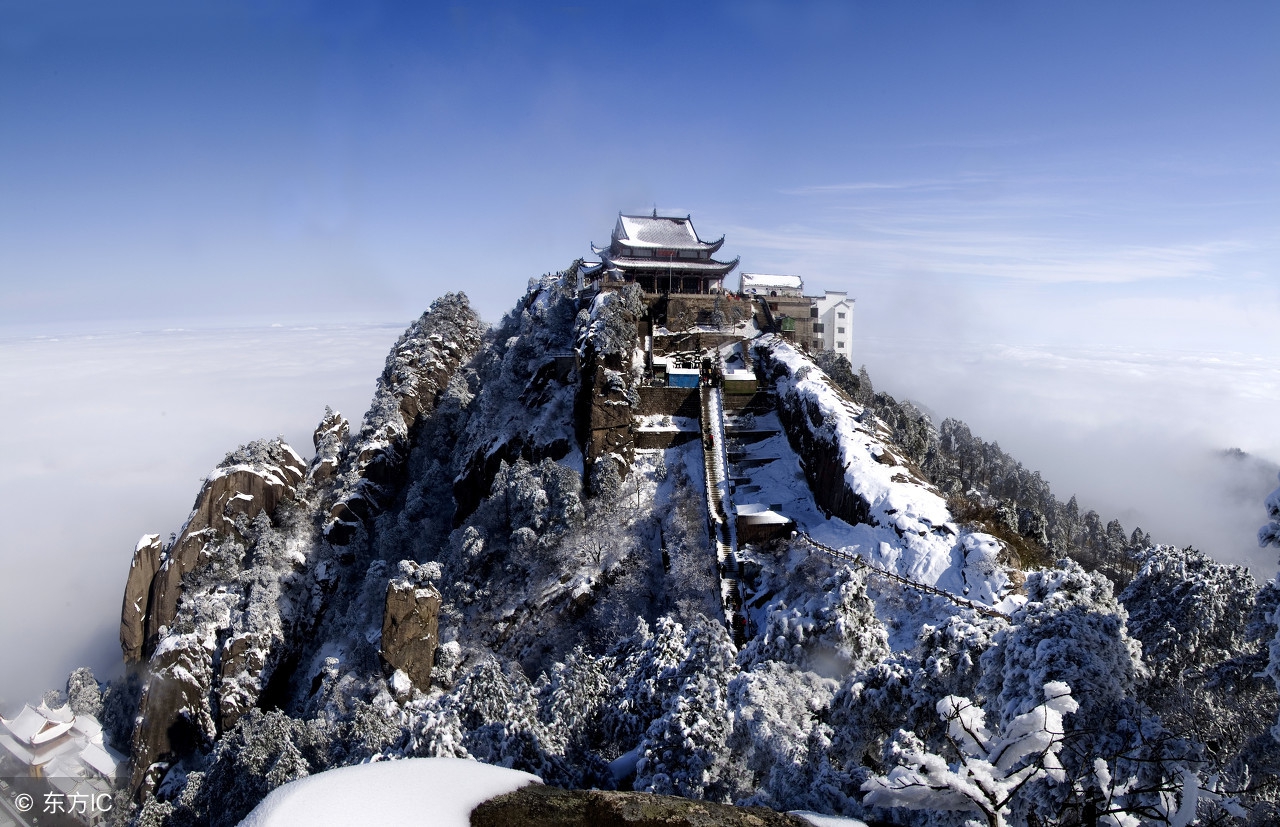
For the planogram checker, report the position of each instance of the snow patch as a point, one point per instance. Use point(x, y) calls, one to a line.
point(431, 792)
point(820, 820)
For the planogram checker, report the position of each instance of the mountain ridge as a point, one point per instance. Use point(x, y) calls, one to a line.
point(572, 581)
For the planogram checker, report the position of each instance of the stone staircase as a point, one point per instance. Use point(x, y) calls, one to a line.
point(719, 506)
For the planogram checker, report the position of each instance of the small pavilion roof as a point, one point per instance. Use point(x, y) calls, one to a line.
point(661, 231)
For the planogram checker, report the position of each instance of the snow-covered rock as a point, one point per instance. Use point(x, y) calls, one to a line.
point(418, 370)
point(253, 480)
point(492, 568)
point(855, 474)
point(137, 595)
point(414, 792)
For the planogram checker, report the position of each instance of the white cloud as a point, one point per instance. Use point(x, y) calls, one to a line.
point(106, 438)
point(1136, 434)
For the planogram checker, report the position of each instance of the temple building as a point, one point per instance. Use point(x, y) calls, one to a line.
point(65, 756)
point(663, 254)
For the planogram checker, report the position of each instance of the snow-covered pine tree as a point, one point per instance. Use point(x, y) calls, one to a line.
point(987, 770)
point(684, 752)
point(499, 714)
point(571, 701)
point(834, 632)
point(646, 675)
point(1192, 616)
point(83, 693)
point(778, 744)
point(1073, 630)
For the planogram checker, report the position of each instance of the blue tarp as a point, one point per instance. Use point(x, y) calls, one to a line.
point(682, 380)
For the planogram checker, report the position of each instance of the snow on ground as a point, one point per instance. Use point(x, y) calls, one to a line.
point(665, 423)
point(820, 820)
point(915, 535)
point(781, 485)
point(431, 792)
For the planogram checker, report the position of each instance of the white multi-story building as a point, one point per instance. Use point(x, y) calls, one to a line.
point(832, 316)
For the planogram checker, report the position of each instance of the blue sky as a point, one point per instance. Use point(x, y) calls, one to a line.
point(1095, 170)
point(1061, 222)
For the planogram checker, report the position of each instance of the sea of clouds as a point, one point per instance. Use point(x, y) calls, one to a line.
point(107, 437)
point(1182, 443)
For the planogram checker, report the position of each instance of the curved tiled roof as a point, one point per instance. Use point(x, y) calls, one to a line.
point(660, 231)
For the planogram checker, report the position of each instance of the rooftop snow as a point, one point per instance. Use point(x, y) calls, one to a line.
point(648, 231)
point(760, 281)
point(102, 761)
point(26, 724)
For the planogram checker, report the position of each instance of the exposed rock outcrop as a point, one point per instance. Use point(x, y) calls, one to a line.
point(417, 371)
point(179, 710)
point(608, 399)
point(175, 717)
point(243, 662)
point(250, 481)
point(409, 622)
point(137, 596)
point(330, 440)
point(542, 806)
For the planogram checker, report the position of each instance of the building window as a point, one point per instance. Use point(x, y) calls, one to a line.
point(840, 345)
point(840, 315)
point(839, 330)
point(819, 327)
point(813, 312)
point(817, 344)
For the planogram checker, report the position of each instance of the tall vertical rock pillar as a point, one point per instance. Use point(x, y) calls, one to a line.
point(410, 622)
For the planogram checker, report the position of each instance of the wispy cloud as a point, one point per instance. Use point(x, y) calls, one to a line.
point(1004, 225)
point(875, 186)
point(896, 247)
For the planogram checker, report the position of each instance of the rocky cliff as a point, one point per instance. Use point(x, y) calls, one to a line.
point(418, 370)
point(243, 486)
point(608, 400)
point(221, 612)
